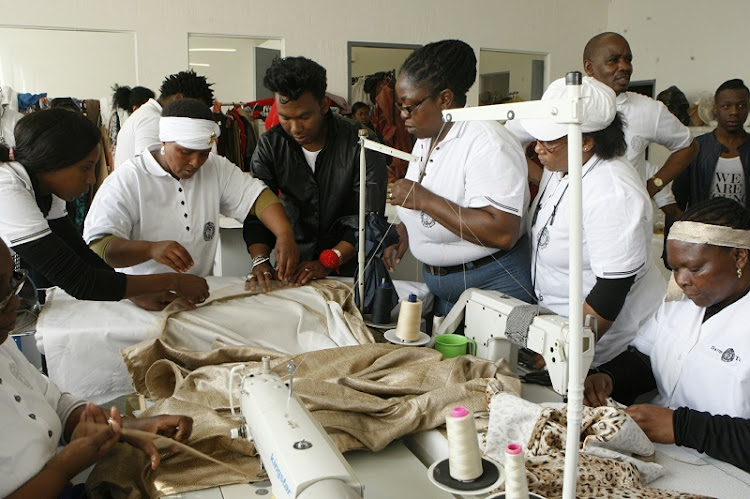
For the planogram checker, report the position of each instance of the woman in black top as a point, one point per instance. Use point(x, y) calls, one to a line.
point(53, 162)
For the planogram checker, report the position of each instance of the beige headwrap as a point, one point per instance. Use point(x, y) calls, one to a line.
point(700, 233)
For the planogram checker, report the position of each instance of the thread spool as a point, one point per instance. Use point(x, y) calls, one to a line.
point(464, 459)
point(409, 319)
point(516, 486)
point(437, 321)
point(382, 303)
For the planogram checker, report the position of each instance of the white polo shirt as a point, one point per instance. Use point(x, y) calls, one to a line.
point(139, 131)
point(141, 201)
point(32, 416)
point(701, 365)
point(617, 231)
point(477, 164)
point(21, 220)
point(646, 121)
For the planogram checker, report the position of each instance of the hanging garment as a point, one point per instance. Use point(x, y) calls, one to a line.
point(390, 126)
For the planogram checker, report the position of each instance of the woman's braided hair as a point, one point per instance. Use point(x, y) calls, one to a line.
point(445, 64)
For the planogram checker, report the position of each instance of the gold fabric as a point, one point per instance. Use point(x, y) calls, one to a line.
point(100, 246)
point(365, 396)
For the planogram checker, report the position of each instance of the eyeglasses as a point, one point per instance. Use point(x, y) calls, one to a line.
point(553, 149)
point(16, 284)
point(408, 109)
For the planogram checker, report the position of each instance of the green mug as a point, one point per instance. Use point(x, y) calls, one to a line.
point(453, 345)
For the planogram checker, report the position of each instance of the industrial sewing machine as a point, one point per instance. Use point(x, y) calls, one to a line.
point(297, 453)
point(487, 316)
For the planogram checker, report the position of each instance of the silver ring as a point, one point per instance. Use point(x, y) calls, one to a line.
point(267, 273)
point(250, 276)
point(110, 421)
point(390, 195)
point(308, 270)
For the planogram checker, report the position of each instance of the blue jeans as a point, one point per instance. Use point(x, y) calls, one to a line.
point(510, 274)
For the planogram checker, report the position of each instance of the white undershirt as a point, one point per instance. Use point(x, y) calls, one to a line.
point(310, 157)
point(729, 180)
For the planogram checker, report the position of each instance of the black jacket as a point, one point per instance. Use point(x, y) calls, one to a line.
point(314, 202)
point(693, 185)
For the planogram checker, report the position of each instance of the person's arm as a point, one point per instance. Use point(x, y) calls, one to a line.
point(675, 164)
point(623, 378)
point(605, 300)
point(681, 187)
point(85, 276)
point(119, 252)
point(722, 437)
point(487, 226)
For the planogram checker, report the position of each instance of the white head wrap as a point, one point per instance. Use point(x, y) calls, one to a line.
point(192, 133)
point(700, 233)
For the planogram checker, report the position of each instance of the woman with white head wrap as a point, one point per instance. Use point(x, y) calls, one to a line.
point(696, 349)
point(161, 210)
point(621, 286)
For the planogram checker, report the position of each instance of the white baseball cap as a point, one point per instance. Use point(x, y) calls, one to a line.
point(599, 109)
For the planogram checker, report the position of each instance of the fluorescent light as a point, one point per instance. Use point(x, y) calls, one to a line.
point(201, 64)
point(211, 50)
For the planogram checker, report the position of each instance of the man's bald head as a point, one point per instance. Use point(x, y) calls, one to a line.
point(607, 57)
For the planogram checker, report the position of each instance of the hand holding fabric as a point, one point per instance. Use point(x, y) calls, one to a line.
point(655, 421)
point(596, 389)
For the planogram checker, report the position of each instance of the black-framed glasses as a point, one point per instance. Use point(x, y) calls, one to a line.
point(410, 108)
point(551, 149)
point(16, 284)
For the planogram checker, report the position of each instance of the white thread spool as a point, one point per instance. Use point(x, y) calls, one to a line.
point(464, 459)
point(409, 319)
point(516, 486)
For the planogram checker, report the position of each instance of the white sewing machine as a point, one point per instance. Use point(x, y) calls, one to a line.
point(486, 314)
point(297, 453)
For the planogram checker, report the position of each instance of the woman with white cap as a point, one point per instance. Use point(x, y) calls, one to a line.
point(621, 286)
point(695, 350)
point(160, 211)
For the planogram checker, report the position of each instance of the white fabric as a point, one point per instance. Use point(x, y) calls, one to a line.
point(141, 201)
point(28, 443)
point(311, 157)
point(8, 120)
point(729, 180)
point(648, 121)
point(139, 131)
point(195, 134)
point(82, 339)
point(701, 365)
point(477, 164)
point(617, 231)
point(21, 220)
point(597, 108)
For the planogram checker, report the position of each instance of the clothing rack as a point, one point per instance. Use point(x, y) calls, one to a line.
point(386, 74)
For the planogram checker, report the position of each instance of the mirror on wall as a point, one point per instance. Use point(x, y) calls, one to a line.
point(235, 65)
point(366, 58)
point(506, 76)
point(66, 63)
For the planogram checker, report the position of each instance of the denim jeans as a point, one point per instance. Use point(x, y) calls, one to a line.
point(510, 274)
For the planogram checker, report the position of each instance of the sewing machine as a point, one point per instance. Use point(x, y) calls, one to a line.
point(297, 453)
point(486, 315)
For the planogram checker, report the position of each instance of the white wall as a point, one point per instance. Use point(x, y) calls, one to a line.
point(694, 45)
point(320, 29)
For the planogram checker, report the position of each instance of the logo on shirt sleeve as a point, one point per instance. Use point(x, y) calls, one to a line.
point(208, 231)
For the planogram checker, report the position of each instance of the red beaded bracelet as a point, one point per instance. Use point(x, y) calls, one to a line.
point(330, 260)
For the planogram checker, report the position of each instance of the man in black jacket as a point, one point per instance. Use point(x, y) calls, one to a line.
point(311, 158)
point(722, 167)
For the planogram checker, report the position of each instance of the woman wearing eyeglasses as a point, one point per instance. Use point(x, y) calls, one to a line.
point(36, 417)
point(53, 162)
point(621, 286)
point(461, 205)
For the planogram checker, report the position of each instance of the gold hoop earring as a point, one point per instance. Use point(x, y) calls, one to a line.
point(163, 150)
point(739, 272)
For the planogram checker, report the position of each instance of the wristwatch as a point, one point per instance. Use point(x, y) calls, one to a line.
point(659, 183)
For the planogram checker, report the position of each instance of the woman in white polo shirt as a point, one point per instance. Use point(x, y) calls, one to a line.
point(462, 204)
point(160, 211)
point(53, 162)
point(621, 285)
point(696, 349)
